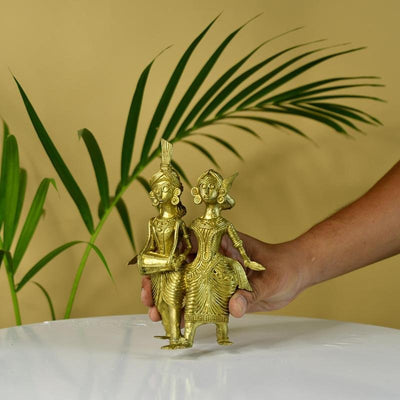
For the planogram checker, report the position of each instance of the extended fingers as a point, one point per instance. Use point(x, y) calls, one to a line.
point(147, 299)
point(154, 314)
point(146, 296)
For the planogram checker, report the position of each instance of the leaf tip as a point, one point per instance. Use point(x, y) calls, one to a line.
point(81, 132)
point(253, 18)
point(53, 183)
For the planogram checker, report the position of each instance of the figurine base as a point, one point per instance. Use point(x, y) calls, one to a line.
point(162, 337)
point(174, 347)
point(224, 342)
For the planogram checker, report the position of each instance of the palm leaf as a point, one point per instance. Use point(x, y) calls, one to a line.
point(6, 133)
point(232, 86)
point(203, 151)
point(307, 114)
point(199, 79)
point(132, 122)
point(251, 98)
point(304, 90)
point(8, 261)
point(351, 112)
point(98, 165)
point(223, 143)
point(241, 127)
point(144, 182)
point(11, 182)
point(48, 257)
point(167, 95)
point(102, 258)
point(339, 96)
point(219, 83)
point(272, 122)
point(210, 93)
point(335, 111)
point(124, 214)
point(299, 95)
point(180, 172)
point(332, 115)
point(49, 302)
point(58, 163)
point(31, 221)
point(21, 196)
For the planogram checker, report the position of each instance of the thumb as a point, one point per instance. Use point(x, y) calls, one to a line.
point(240, 302)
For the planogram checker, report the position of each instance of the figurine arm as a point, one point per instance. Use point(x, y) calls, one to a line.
point(177, 262)
point(187, 242)
point(150, 240)
point(238, 244)
point(176, 239)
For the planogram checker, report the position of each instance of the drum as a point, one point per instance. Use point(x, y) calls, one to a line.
point(152, 263)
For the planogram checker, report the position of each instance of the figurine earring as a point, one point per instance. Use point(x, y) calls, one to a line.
point(153, 198)
point(196, 195)
point(221, 196)
point(175, 198)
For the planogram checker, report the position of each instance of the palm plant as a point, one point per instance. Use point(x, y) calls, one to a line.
point(13, 182)
point(233, 99)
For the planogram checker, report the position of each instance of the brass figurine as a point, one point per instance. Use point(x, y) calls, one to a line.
point(211, 279)
point(204, 286)
point(161, 258)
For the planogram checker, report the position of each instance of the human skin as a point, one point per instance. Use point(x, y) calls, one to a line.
point(364, 232)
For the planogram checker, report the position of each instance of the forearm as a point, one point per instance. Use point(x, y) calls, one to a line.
point(360, 234)
point(237, 243)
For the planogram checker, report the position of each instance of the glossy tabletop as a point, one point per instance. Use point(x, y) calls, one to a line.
point(271, 358)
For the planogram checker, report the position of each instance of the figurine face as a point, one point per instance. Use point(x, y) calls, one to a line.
point(208, 188)
point(163, 191)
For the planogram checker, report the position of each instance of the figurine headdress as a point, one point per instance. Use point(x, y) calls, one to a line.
point(225, 185)
point(168, 174)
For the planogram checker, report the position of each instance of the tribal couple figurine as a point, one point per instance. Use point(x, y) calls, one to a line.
point(201, 289)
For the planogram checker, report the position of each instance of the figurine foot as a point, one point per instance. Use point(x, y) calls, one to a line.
point(162, 337)
point(176, 346)
point(224, 342)
point(182, 343)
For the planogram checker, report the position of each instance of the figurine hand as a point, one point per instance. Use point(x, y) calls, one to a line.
point(176, 263)
point(255, 266)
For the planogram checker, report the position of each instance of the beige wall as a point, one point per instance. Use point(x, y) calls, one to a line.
point(79, 61)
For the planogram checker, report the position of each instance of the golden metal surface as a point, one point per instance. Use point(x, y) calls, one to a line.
point(161, 257)
point(211, 279)
point(205, 285)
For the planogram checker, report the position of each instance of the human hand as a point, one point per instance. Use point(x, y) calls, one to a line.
point(273, 288)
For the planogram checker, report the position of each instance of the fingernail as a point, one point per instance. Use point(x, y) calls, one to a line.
point(242, 304)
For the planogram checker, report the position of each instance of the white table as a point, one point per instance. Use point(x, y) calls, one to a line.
point(272, 358)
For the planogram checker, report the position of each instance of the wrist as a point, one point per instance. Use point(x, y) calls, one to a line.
point(310, 262)
point(296, 257)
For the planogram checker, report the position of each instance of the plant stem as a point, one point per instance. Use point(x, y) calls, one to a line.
point(10, 276)
point(14, 297)
point(93, 238)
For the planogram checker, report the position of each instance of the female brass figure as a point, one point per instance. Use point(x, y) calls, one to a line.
point(212, 278)
point(160, 257)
